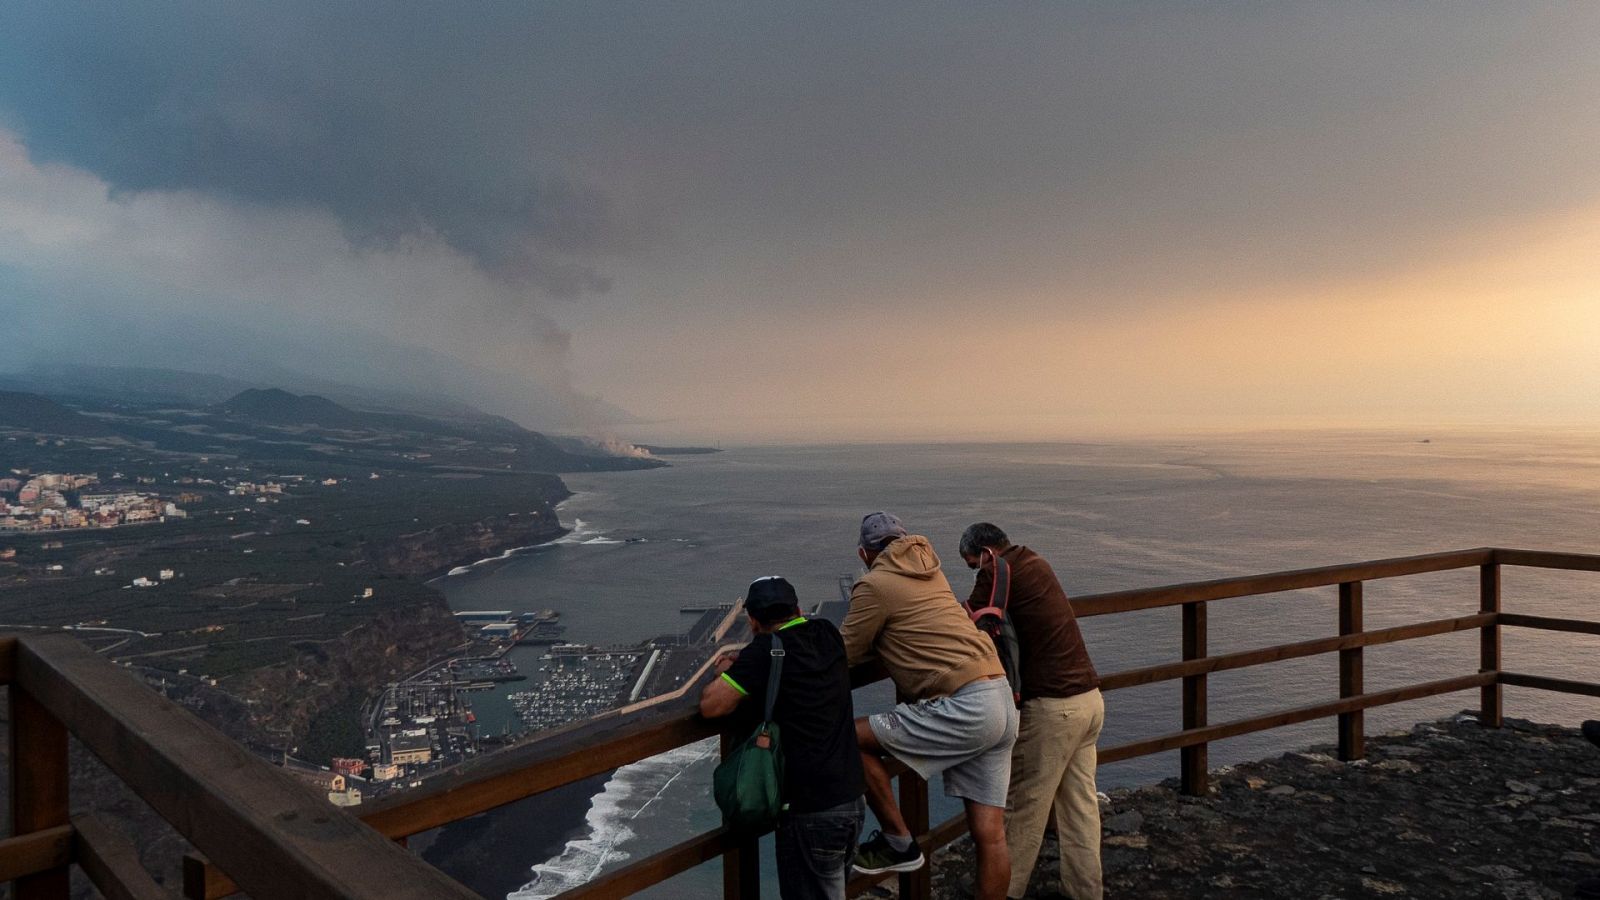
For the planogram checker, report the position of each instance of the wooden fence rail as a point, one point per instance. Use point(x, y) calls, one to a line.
point(262, 832)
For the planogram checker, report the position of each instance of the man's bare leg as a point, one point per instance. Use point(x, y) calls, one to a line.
point(988, 827)
point(880, 788)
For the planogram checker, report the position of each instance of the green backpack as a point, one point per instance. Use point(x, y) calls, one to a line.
point(748, 784)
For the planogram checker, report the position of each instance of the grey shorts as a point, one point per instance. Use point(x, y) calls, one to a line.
point(967, 736)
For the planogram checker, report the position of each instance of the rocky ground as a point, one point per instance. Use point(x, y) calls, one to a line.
point(1447, 809)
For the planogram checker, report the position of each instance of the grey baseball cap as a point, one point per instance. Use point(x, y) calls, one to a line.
point(879, 529)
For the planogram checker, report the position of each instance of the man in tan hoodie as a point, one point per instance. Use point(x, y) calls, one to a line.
point(957, 715)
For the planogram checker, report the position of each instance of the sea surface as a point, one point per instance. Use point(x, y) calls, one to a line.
point(1108, 516)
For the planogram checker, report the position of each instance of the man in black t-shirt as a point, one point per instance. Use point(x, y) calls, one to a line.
point(822, 778)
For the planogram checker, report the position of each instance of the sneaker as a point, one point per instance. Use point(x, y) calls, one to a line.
point(1591, 730)
point(875, 856)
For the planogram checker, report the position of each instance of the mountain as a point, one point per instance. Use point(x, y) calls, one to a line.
point(432, 386)
point(276, 408)
point(254, 421)
point(273, 406)
point(31, 412)
point(122, 384)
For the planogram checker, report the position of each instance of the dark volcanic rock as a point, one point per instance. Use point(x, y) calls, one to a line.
point(425, 554)
point(1448, 809)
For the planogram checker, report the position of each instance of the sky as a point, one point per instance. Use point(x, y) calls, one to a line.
point(757, 222)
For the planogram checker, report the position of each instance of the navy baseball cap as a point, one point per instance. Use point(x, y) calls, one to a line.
point(772, 592)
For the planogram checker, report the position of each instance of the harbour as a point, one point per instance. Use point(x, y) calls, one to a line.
point(436, 718)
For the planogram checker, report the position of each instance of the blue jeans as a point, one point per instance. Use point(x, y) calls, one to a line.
point(815, 851)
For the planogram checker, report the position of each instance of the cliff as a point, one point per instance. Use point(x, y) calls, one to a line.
point(434, 551)
point(286, 700)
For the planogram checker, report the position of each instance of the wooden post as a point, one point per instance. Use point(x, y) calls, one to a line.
point(1193, 757)
point(38, 787)
point(916, 885)
point(1489, 644)
point(1352, 729)
point(741, 867)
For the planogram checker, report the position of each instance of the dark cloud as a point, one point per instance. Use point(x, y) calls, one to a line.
point(549, 141)
point(400, 121)
point(720, 169)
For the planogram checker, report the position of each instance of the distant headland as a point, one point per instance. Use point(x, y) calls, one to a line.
point(654, 450)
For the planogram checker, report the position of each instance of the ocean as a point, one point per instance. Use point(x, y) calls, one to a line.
point(1108, 516)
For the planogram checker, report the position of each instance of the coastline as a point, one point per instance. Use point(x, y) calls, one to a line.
point(506, 554)
point(556, 533)
point(494, 853)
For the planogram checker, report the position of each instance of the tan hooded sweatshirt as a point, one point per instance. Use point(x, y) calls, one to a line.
point(903, 613)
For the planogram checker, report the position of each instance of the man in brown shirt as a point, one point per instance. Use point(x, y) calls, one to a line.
point(1053, 760)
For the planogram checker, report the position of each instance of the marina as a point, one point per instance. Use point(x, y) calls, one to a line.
point(576, 686)
point(429, 722)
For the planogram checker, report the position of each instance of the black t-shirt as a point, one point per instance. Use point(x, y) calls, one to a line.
point(816, 720)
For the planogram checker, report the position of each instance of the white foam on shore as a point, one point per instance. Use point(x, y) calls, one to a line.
point(630, 791)
point(580, 533)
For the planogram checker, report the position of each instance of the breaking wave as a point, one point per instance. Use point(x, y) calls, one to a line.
point(630, 791)
point(582, 533)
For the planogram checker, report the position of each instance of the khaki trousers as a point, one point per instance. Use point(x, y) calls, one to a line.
point(1052, 767)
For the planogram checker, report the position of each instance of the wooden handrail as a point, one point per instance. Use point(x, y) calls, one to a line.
point(1545, 623)
point(657, 867)
point(276, 836)
point(563, 756)
point(1193, 736)
point(35, 852)
point(1279, 652)
point(1276, 582)
point(571, 754)
point(1559, 685)
point(111, 862)
point(273, 835)
point(1544, 559)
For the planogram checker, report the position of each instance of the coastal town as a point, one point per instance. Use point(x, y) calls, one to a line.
point(228, 528)
point(417, 726)
point(270, 574)
point(50, 501)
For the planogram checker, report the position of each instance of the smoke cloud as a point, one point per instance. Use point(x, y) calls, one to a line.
point(361, 192)
point(181, 279)
point(712, 214)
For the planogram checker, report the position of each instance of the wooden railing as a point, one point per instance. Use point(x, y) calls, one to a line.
point(263, 833)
